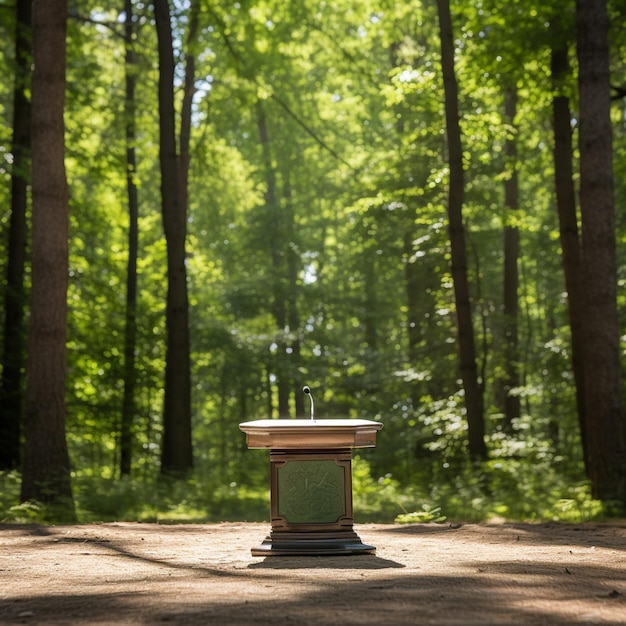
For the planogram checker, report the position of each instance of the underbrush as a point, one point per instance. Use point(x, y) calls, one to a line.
point(495, 491)
point(154, 499)
point(515, 490)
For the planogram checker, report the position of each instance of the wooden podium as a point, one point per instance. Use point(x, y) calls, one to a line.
point(311, 483)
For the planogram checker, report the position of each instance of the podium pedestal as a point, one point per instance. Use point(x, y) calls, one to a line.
point(311, 484)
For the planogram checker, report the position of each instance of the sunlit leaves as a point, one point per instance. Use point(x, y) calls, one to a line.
point(354, 108)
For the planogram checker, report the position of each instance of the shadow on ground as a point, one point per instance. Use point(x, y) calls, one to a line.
point(199, 575)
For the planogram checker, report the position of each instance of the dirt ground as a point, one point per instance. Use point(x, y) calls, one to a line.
point(126, 573)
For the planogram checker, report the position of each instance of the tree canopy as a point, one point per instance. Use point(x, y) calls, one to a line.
point(301, 220)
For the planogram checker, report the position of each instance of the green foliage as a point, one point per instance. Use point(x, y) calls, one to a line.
point(356, 152)
point(151, 500)
point(168, 501)
point(12, 510)
point(375, 500)
point(533, 488)
point(426, 515)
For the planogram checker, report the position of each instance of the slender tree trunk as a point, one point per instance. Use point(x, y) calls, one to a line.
point(176, 452)
point(370, 316)
point(189, 89)
point(46, 468)
point(413, 283)
point(130, 333)
point(606, 443)
point(419, 287)
point(11, 391)
point(568, 224)
point(511, 278)
point(414, 288)
point(467, 348)
point(293, 315)
point(276, 244)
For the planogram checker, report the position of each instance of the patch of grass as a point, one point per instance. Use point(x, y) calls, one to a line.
point(426, 515)
point(166, 500)
point(30, 512)
point(518, 490)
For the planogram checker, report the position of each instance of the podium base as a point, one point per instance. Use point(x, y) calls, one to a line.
point(312, 543)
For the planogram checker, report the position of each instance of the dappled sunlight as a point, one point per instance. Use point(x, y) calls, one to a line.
point(197, 574)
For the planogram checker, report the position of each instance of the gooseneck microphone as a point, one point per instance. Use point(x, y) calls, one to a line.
point(307, 390)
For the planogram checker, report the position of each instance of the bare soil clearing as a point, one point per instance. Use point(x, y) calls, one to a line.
point(126, 573)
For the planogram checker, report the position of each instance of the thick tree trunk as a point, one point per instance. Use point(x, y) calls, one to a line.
point(14, 296)
point(568, 225)
point(606, 444)
point(467, 349)
point(46, 468)
point(176, 451)
point(511, 401)
point(130, 332)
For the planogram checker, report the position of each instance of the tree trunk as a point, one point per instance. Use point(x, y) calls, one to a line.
point(370, 313)
point(419, 287)
point(176, 451)
point(606, 445)
point(14, 295)
point(467, 349)
point(414, 289)
point(189, 89)
point(130, 332)
point(511, 401)
point(276, 246)
point(46, 468)
point(568, 224)
point(293, 316)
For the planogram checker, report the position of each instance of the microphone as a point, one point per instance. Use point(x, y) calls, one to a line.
point(307, 390)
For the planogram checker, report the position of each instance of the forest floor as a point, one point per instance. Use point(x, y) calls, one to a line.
point(135, 573)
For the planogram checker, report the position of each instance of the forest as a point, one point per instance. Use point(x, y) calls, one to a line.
point(417, 209)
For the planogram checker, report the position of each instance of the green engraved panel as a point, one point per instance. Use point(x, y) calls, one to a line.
point(311, 492)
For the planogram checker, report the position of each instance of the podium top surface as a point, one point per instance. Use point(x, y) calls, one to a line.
point(307, 434)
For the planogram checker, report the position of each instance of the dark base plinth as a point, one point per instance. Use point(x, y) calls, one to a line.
point(312, 543)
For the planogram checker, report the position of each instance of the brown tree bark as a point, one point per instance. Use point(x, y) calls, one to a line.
point(568, 222)
point(605, 431)
point(467, 349)
point(46, 468)
point(176, 447)
point(11, 385)
point(130, 331)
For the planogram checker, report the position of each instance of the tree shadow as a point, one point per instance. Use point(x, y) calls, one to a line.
point(601, 535)
point(434, 600)
point(38, 530)
point(350, 590)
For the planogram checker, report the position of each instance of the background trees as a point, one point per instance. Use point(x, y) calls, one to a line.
point(308, 175)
